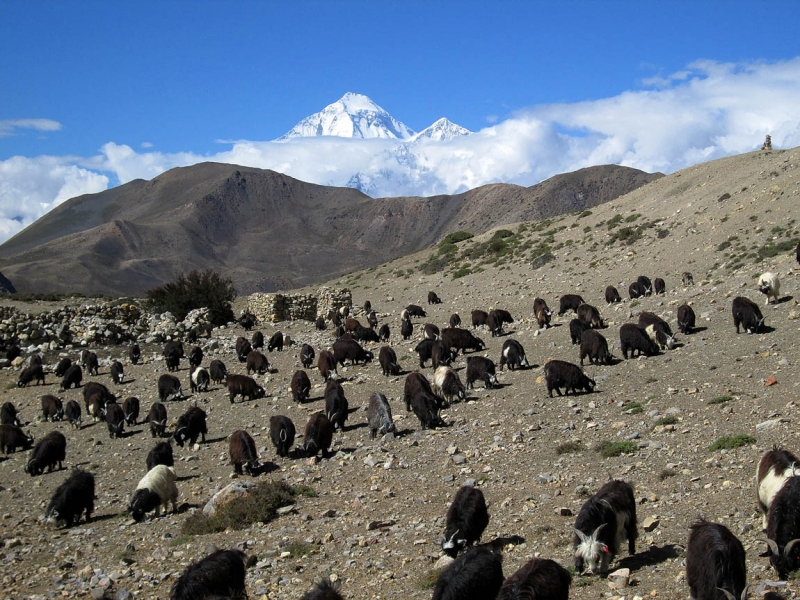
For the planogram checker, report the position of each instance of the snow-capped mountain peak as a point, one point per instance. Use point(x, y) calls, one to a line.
point(443, 129)
point(352, 116)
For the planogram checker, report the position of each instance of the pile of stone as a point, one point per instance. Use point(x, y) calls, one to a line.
point(274, 308)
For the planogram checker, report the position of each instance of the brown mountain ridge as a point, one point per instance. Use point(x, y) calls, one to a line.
point(265, 230)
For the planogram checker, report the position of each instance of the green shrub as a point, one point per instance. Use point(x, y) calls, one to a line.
point(632, 408)
point(720, 399)
point(614, 221)
point(668, 420)
point(455, 237)
point(723, 245)
point(258, 506)
point(584, 213)
point(632, 218)
point(770, 250)
point(462, 272)
point(729, 443)
point(195, 290)
point(298, 549)
point(608, 449)
point(427, 580)
point(570, 447)
point(502, 234)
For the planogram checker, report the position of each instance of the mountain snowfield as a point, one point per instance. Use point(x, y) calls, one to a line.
point(398, 167)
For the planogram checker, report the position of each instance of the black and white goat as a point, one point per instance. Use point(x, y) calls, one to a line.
point(774, 468)
point(467, 517)
point(783, 529)
point(604, 522)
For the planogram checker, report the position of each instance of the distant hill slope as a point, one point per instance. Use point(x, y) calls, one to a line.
point(265, 230)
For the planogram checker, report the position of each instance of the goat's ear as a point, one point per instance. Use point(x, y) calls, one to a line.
point(605, 549)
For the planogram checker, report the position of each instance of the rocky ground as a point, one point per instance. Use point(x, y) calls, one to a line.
point(378, 516)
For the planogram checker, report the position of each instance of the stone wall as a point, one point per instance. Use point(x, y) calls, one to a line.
point(274, 308)
point(107, 323)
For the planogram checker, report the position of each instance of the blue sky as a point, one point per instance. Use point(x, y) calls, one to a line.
point(94, 93)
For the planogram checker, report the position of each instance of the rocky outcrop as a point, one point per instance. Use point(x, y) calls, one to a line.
point(274, 308)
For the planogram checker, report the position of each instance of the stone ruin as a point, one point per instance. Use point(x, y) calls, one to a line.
point(767, 145)
point(274, 308)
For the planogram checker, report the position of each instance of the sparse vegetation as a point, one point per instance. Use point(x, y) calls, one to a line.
point(632, 408)
point(455, 237)
point(428, 580)
point(720, 399)
point(668, 420)
point(258, 506)
point(729, 443)
point(570, 447)
point(196, 290)
point(298, 549)
point(609, 449)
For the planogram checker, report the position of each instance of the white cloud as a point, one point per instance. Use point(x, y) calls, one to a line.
point(9, 126)
point(705, 111)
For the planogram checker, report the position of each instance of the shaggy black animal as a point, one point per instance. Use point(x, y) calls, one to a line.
point(169, 388)
point(367, 308)
point(379, 416)
point(595, 346)
point(94, 388)
point(218, 371)
point(715, 561)
point(494, 324)
point(195, 357)
point(244, 386)
point(131, 409)
point(406, 329)
point(513, 354)
point(366, 334)
point(49, 451)
point(559, 373)
point(475, 575)
point(275, 342)
point(243, 348)
point(612, 295)
point(388, 361)
point(318, 435)
point(384, 333)
point(569, 302)
point(89, 362)
point(71, 499)
point(115, 419)
point(62, 366)
point(176, 346)
point(431, 332)
point(659, 286)
point(72, 378)
point(13, 352)
point(281, 432)
point(783, 529)
point(12, 437)
point(542, 313)
point(301, 386)
point(8, 415)
point(426, 407)
point(634, 338)
point(455, 320)
point(257, 341)
point(242, 450)
point(589, 314)
point(191, 425)
point(160, 454)
point(467, 519)
point(324, 589)
point(135, 354)
point(636, 290)
point(481, 368)
point(350, 350)
point(320, 324)
point(645, 283)
point(537, 579)
point(461, 339)
point(218, 575)
point(414, 310)
point(372, 319)
point(478, 317)
point(686, 319)
point(157, 418)
point(436, 351)
point(686, 278)
point(247, 321)
point(336, 405)
point(52, 408)
point(307, 355)
point(413, 384)
point(257, 363)
point(326, 363)
point(657, 329)
point(117, 372)
point(73, 414)
point(433, 298)
point(747, 314)
point(605, 520)
point(173, 360)
point(29, 374)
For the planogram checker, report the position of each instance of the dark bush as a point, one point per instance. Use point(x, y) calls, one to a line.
point(195, 290)
point(502, 234)
point(455, 237)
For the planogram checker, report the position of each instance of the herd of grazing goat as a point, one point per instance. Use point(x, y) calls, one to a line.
point(715, 558)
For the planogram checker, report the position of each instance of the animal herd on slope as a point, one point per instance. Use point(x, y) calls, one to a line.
point(714, 563)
